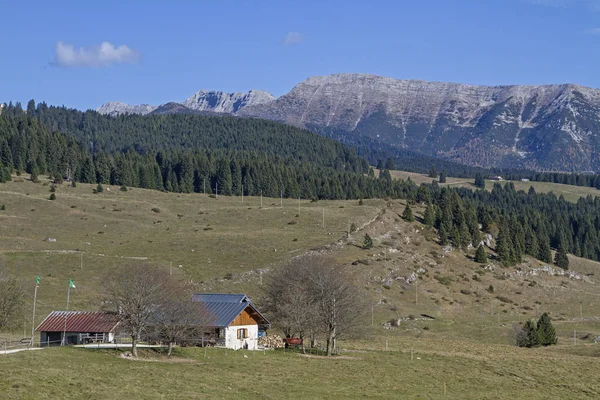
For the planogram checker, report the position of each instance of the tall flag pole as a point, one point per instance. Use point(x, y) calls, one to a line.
point(64, 338)
point(37, 284)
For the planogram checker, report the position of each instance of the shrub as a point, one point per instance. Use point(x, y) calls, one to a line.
point(361, 202)
point(292, 223)
point(52, 189)
point(156, 210)
point(504, 299)
point(99, 188)
point(3, 207)
point(444, 280)
point(368, 242)
point(52, 196)
point(490, 289)
point(123, 188)
point(465, 291)
point(73, 183)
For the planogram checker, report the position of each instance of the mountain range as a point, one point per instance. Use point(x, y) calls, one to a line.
point(544, 127)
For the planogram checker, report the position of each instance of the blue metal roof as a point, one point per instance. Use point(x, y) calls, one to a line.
point(226, 307)
point(220, 298)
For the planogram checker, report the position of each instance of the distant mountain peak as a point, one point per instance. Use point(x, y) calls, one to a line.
point(230, 103)
point(201, 101)
point(114, 108)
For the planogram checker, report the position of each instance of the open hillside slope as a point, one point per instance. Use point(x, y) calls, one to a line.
point(433, 314)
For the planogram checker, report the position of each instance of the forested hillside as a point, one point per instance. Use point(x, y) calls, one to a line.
point(191, 153)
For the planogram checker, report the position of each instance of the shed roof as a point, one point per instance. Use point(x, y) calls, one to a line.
point(226, 307)
point(79, 321)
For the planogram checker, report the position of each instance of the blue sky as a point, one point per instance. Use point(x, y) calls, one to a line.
point(156, 52)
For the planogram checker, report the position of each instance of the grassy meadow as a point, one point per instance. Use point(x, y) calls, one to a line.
point(570, 193)
point(456, 317)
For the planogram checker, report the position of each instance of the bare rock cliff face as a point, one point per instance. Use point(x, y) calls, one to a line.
point(229, 103)
point(114, 108)
point(552, 127)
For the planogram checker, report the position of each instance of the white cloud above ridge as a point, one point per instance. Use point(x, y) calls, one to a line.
point(103, 55)
point(292, 38)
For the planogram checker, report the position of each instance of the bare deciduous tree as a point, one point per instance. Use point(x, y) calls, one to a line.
point(340, 304)
point(12, 298)
point(179, 319)
point(136, 294)
point(289, 301)
point(311, 295)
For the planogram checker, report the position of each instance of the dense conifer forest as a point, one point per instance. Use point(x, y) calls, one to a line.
point(192, 153)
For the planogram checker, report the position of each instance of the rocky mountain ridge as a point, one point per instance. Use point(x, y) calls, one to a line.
point(546, 127)
point(201, 101)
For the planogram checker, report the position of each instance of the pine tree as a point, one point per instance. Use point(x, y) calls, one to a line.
point(433, 173)
point(545, 331)
point(481, 256)
point(455, 237)
point(560, 258)
point(530, 334)
point(545, 254)
point(408, 214)
point(99, 188)
point(429, 215)
point(443, 177)
point(368, 242)
point(479, 181)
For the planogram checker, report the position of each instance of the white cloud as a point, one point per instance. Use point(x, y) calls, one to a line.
point(95, 56)
point(292, 38)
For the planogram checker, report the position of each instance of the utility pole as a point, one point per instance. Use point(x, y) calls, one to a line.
point(417, 291)
point(372, 315)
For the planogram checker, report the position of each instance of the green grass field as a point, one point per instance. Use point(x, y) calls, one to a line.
point(225, 245)
point(432, 370)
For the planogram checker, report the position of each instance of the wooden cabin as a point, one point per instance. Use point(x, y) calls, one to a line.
point(236, 323)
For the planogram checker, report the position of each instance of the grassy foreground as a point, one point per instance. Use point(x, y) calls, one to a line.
point(466, 370)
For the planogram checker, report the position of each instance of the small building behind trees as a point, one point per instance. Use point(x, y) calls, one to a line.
point(236, 322)
point(78, 327)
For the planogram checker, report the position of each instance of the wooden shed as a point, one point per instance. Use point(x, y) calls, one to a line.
point(77, 327)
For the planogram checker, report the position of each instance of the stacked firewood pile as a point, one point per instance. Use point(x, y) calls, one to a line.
point(271, 341)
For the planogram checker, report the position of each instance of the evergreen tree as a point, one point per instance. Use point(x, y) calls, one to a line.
point(545, 254)
point(99, 188)
point(545, 331)
point(529, 337)
point(560, 258)
point(479, 181)
point(408, 214)
point(433, 172)
point(367, 242)
point(481, 256)
point(429, 216)
point(443, 177)
point(389, 164)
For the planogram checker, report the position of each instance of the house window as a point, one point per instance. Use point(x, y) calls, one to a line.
point(242, 333)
